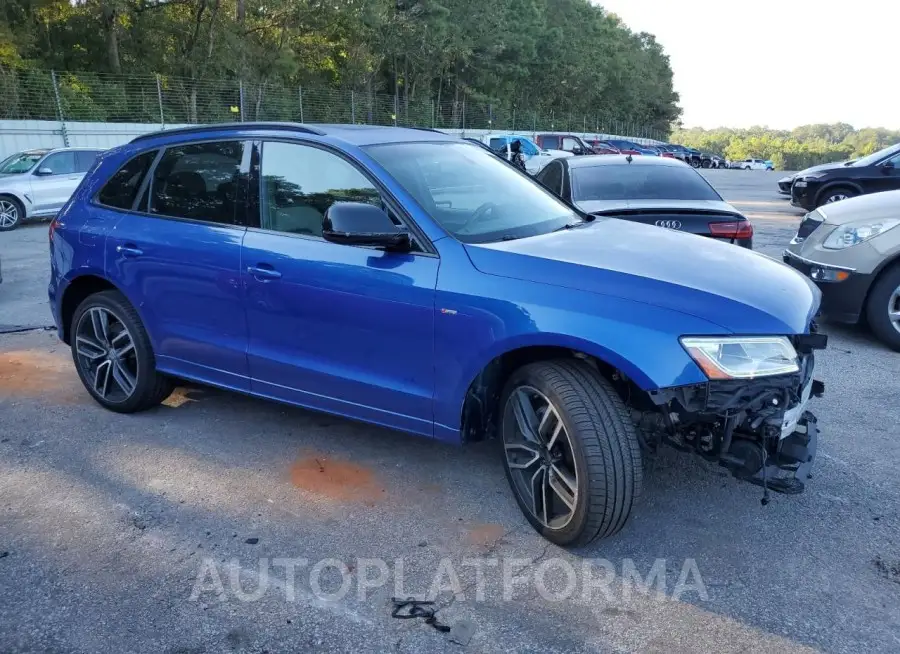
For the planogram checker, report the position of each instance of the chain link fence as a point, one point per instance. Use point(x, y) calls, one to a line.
point(162, 99)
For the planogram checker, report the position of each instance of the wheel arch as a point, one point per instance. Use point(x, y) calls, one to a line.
point(476, 413)
point(18, 197)
point(76, 291)
point(838, 184)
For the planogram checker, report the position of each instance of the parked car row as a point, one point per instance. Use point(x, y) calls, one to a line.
point(422, 283)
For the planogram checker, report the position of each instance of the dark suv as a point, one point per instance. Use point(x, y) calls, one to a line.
point(879, 171)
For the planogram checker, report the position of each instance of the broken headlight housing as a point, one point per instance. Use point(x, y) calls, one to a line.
point(742, 357)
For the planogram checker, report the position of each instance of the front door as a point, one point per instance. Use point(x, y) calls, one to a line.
point(338, 328)
point(54, 181)
point(177, 257)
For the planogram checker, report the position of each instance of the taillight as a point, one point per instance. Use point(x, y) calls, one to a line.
point(741, 229)
point(53, 224)
point(668, 154)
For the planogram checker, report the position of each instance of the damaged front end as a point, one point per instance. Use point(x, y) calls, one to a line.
point(758, 428)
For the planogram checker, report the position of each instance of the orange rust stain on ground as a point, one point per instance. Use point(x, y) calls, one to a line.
point(337, 480)
point(33, 373)
point(485, 535)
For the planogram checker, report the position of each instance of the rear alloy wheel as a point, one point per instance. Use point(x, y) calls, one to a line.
point(571, 453)
point(835, 195)
point(883, 307)
point(113, 355)
point(11, 213)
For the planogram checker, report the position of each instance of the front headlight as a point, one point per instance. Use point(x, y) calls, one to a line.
point(742, 357)
point(850, 234)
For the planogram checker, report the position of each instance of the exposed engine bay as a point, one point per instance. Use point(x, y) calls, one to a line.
point(759, 429)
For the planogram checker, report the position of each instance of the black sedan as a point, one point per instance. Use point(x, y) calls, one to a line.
point(879, 171)
point(654, 190)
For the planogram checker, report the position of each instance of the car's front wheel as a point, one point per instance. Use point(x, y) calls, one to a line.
point(570, 451)
point(883, 307)
point(113, 355)
point(11, 213)
point(832, 195)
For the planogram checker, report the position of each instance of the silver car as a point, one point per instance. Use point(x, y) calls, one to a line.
point(37, 183)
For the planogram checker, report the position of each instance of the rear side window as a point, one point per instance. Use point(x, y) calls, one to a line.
point(550, 142)
point(120, 191)
point(198, 181)
point(84, 159)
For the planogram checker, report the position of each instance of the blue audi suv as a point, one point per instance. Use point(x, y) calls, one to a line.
point(410, 279)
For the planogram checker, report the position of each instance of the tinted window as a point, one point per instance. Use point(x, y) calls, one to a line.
point(474, 196)
point(198, 181)
point(636, 182)
point(550, 142)
point(551, 177)
point(120, 190)
point(84, 159)
point(61, 163)
point(299, 182)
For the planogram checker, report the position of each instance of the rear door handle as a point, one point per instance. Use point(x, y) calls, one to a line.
point(129, 250)
point(263, 272)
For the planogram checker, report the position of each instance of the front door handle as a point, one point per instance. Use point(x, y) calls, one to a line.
point(263, 272)
point(129, 250)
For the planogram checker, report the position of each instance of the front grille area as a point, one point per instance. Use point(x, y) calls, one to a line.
point(810, 223)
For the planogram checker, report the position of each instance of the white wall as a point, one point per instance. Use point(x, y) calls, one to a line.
point(18, 135)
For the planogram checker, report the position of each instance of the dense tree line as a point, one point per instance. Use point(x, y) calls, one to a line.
point(558, 57)
point(799, 148)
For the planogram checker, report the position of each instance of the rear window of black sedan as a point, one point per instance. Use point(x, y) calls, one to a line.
point(636, 182)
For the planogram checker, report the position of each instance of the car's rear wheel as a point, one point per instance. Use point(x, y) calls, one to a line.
point(570, 451)
point(836, 194)
point(11, 213)
point(113, 355)
point(883, 307)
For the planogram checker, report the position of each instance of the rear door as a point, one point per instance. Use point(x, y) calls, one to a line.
point(53, 181)
point(339, 328)
point(177, 256)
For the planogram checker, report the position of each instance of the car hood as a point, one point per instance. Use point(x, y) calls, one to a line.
point(742, 291)
point(608, 206)
point(874, 206)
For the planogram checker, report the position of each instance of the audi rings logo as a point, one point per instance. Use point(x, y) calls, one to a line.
point(669, 224)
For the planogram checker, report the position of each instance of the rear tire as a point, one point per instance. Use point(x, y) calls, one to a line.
point(113, 355)
point(588, 443)
point(883, 307)
point(12, 213)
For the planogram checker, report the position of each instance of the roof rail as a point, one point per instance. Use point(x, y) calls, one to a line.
point(218, 127)
point(430, 129)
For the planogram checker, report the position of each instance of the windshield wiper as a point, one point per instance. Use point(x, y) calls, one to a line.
point(572, 225)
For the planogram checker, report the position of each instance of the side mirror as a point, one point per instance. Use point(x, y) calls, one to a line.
point(44, 171)
point(357, 223)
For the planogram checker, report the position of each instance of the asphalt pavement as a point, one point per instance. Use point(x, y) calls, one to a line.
point(221, 523)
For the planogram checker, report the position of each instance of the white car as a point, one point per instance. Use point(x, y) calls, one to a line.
point(535, 157)
point(37, 183)
point(752, 164)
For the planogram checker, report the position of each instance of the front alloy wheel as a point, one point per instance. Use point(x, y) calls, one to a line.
point(883, 307)
point(10, 214)
point(570, 451)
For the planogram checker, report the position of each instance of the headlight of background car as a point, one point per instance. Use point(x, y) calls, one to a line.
point(852, 233)
point(742, 357)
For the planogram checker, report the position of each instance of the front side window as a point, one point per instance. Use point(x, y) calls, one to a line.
point(20, 163)
point(198, 181)
point(121, 189)
point(636, 182)
point(298, 183)
point(569, 144)
point(471, 194)
point(59, 163)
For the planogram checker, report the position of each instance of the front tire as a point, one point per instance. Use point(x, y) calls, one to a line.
point(12, 213)
point(883, 308)
point(570, 451)
point(113, 355)
point(836, 194)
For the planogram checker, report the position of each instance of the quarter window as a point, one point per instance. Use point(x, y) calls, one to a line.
point(121, 189)
point(198, 181)
point(552, 177)
point(298, 183)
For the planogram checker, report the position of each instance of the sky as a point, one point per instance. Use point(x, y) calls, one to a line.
point(777, 63)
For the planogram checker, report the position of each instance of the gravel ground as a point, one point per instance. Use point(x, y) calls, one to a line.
point(177, 530)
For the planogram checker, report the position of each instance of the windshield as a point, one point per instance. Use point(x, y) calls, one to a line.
point(20, 163)
point(875, 157)
point(636, 182)
point(472, 194)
